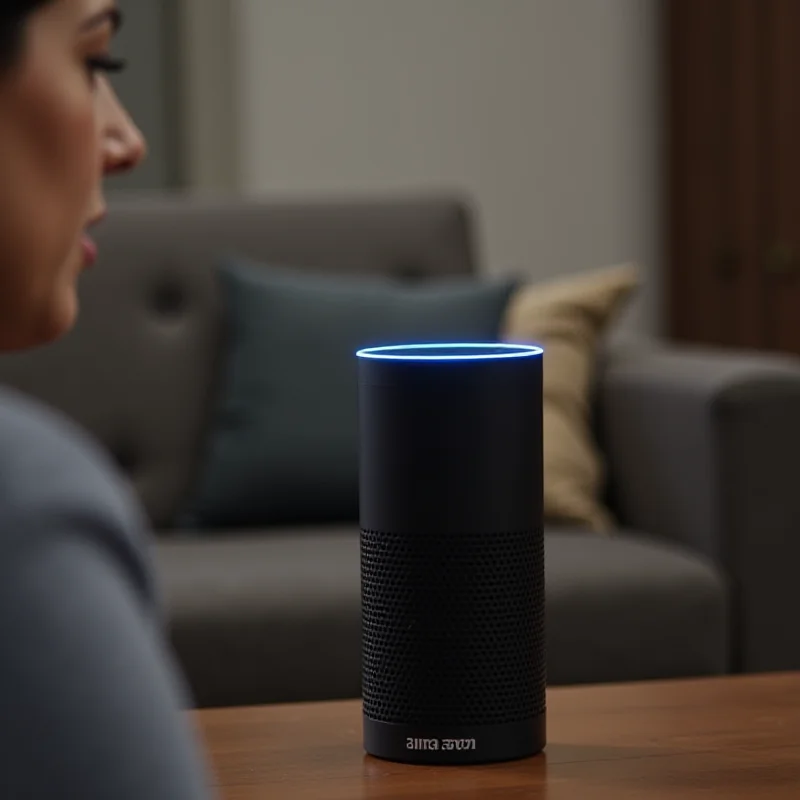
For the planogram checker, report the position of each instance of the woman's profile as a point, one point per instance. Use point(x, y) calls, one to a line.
point(90, 700)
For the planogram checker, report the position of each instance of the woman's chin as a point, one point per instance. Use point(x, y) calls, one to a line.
point(63, 318)
point(46, 298)
point(45, 328)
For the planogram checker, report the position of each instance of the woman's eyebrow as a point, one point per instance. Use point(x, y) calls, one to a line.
point(109, 15)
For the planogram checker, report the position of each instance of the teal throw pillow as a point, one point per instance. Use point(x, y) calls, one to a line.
point(283, 444)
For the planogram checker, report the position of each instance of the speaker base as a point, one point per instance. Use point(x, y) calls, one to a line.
point(454, 745)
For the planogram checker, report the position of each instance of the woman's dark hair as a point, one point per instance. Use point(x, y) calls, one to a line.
point(13, 14)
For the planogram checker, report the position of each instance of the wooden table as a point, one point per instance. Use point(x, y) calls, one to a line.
point(732, 738)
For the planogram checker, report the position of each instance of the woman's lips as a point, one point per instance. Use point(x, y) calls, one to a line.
point(89, 249)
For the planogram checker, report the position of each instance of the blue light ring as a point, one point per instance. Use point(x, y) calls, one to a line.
point(417, 352)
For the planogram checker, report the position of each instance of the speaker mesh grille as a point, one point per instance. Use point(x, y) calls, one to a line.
point(453, 627)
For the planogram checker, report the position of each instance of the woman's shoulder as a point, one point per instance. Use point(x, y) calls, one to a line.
point(55, 479)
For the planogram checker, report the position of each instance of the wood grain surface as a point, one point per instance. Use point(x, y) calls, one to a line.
point(735, 738)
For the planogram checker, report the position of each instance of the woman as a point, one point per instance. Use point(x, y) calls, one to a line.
point(89, 698)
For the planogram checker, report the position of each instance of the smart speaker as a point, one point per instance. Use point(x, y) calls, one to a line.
point(452, 552)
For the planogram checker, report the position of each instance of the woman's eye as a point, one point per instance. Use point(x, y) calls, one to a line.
point(105, 64)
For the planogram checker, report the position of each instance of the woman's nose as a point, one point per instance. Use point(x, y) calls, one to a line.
point(124, 147)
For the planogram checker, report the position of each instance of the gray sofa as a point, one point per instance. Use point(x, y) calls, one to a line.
point(703, 450)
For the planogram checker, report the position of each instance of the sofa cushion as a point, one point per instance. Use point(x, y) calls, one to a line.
point(568, 318)
point(630, 607)
point(259, 619)
point(283, 445)
point(275, 617)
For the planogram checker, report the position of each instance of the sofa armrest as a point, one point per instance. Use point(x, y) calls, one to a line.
point(703, 448)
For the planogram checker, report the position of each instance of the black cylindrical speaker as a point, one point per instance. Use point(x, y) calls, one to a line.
point(452, 552)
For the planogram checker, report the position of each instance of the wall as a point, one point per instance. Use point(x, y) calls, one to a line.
point(150, 90)
point(544, 111)
point(180, 88)
point(206, 45)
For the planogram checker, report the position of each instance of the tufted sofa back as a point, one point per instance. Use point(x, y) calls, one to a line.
point(138, 370)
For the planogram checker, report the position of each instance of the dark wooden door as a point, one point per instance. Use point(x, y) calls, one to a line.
point(782, 167)
point(733, 172)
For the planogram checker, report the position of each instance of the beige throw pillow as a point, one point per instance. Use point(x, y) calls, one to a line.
point(568, 318)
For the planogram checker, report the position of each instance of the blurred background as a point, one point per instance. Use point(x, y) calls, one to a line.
point(583, 134)
point(586, 132)
point(546, 114)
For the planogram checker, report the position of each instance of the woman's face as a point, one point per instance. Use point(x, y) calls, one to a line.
point(61, 129)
